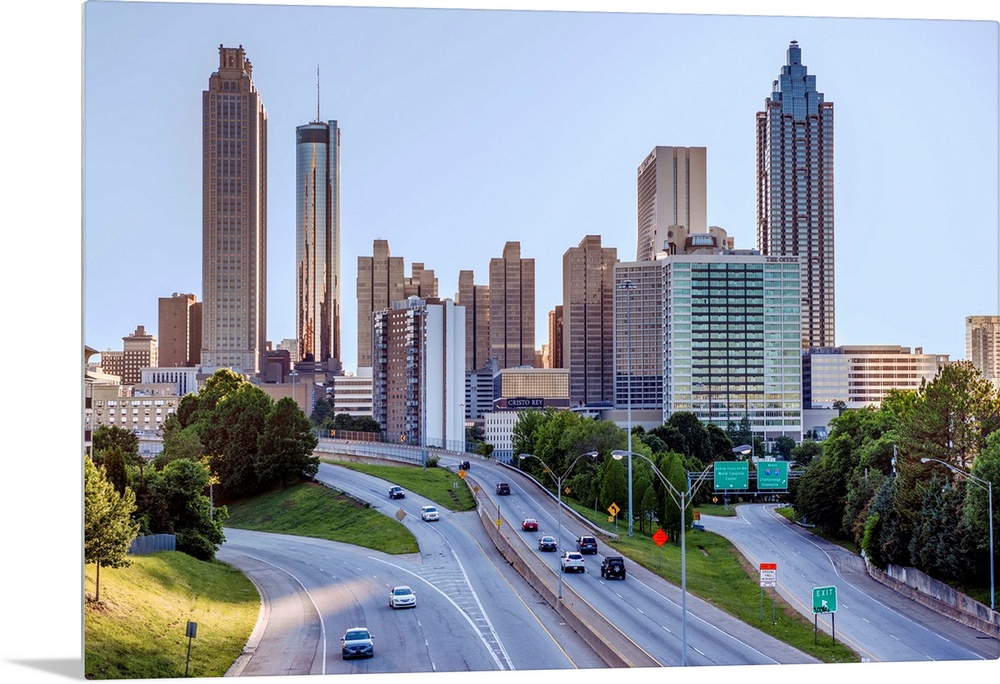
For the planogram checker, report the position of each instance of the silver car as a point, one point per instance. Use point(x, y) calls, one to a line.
point(428, 513)
point(357, 642)
point(572, 561)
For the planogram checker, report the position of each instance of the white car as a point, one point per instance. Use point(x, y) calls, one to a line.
point(572, 561)
point(402, 597)
point(428, 513)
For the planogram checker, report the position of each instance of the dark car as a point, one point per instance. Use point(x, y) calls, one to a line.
point(613, 567)
point(586, 544)
point(396, 493)
point(357, 643)
point(464, 465)
point(548, 543)
point(503, 489)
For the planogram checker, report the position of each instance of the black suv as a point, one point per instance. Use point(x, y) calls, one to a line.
point(613, 567)
point(503, 489)
point(586, 544)
point(464, 465)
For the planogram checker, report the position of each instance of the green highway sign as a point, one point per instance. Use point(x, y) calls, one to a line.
point(772, 475)
point(731, 475)
point(824, 600)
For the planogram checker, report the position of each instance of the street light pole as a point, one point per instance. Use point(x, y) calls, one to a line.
point(988, 486)
point(558, 479)
point(681, 499)
point(628, 286)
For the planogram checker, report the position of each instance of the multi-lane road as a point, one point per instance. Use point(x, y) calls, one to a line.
point(476, 613)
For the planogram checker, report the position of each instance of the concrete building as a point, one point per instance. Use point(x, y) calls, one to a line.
point(479, 391)
point(476, 300)
point(140, 409)
point(352, 393)
point(553, 355)
point(732, 330)
point(795, 190)
point(671, 193)
point(519, 389)
point(861, 375)
point(638, 335)
point(318, 300)
point(139, 351)
point(181, 380)
point(982, 345)
point(234, 217)
point(418, 372)
point(588, 320)
point(512, 308)
point(379, 284)
point(179, 331)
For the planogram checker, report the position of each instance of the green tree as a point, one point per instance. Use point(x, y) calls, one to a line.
point(177, 444)
point(185, 511)
point(672, 517)
point(231, 437)
point(108, 528)
point(783, 447)
point(286, 446)
point(114, 468)
point(807, 451)
point(951, 416)
point(107, 436)
point(614, 484)
point(975, 511)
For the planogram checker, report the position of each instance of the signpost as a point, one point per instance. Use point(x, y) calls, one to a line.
point(613, 510)
point(660, 537)
point(772, 475)
point(824, 600)
point(768, 578)
point(731, 475)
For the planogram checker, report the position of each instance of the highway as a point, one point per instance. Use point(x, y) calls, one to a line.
point(876, 622)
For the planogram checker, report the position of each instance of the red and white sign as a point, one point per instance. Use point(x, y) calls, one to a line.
point(768, 574)
point(660, 537)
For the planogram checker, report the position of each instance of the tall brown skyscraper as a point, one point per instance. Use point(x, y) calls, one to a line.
point(476, 300)
point(380, 283)
point(179, 331)
point(512, 308)
point(588, 320)
point(234, 217)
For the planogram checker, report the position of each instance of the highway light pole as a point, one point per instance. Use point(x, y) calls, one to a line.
point(558, 480)
point(682, 499)
point(988, 486)
point(628, 286)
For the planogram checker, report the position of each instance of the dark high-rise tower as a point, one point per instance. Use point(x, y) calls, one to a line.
point(234, 217)
point(317, 241)
point(795, 190)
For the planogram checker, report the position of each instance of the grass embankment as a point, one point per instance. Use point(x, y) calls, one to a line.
point(137, 630)
point(440, 485)
point(309, 509)
point(718, 573)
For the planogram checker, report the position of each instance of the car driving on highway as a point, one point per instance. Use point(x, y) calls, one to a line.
point(547, 543)
point(402, 597)
point(357, 642)
point(572, 561)
point(428, 513)
point(396, 492)
point(529, 525)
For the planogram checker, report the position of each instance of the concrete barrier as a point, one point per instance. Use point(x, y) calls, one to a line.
point(614, 647)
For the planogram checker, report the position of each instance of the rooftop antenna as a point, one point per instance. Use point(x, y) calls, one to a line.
point(317, 94)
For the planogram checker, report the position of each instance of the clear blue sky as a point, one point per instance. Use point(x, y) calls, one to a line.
point(558, 114)
point(463, 129)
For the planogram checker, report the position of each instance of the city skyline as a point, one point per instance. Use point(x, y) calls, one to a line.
point(432, 151)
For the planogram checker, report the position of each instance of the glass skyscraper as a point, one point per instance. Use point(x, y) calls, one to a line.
point(795, 190)
point(317, 241)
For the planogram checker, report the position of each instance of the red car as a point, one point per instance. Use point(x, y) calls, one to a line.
point(529, 525)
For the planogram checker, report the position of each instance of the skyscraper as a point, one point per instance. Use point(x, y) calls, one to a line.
point(380, 283)
point(982, 345)
point(588, 320)
point(234, 217)
point(179, 331)
point(795, 190)
point(476, 300)
point(671, 191)
point(512, 308)
point(317, 241)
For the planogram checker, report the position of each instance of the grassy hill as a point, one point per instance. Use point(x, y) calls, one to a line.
point(137, 629)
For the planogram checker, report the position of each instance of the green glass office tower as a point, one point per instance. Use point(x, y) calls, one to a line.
point(795, 190)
